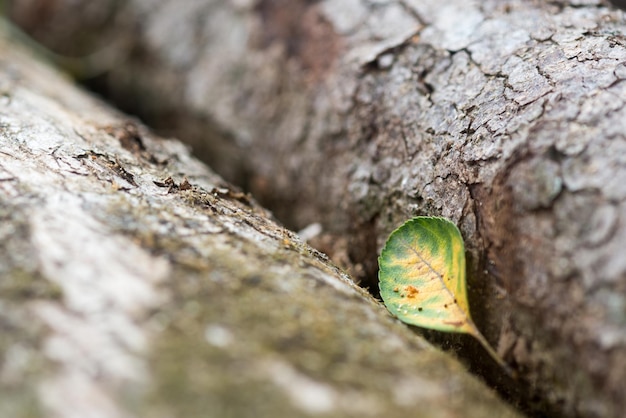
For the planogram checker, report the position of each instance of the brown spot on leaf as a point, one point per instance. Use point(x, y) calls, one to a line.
point(411, 291)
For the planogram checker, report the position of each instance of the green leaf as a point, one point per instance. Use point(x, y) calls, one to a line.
point(422, 278)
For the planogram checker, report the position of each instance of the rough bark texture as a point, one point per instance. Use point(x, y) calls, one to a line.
point(135, 282)
point(506, 116)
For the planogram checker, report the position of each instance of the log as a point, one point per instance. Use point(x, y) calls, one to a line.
point(506, 117)
point(135, 282)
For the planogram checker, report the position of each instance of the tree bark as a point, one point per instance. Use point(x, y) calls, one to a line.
point(135, 282)
point(507, 117)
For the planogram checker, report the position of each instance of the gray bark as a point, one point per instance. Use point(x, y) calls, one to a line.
point(507, 117)
point(135, 282)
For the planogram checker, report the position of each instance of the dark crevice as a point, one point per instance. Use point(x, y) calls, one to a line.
point(619, 3)
point(521, 393)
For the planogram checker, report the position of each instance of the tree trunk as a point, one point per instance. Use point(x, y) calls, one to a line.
point(135, 282)
point(507, 117)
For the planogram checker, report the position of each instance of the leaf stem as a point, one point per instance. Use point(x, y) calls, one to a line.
point(494, 355)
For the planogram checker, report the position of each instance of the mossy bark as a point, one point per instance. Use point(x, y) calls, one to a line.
point(135, 282)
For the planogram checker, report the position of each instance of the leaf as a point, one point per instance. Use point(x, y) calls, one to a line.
point(422, 278)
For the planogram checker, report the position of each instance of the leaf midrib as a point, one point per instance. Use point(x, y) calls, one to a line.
point(431, 268)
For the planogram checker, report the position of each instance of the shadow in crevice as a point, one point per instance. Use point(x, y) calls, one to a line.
point(516, 391)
